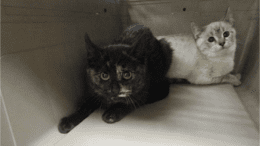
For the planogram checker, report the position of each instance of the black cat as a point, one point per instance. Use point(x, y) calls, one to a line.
point(123, 76)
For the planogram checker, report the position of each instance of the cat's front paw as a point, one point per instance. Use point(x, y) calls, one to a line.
point(65, 125)
point(238, 76)
point(236, 83)
point(110, 117)
point(232, 79)
point(235, 79)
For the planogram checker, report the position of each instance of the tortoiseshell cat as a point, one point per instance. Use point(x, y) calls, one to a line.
point(123, 76)
point(207, 55)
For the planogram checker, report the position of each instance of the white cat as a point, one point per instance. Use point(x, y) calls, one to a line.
point(207, 55)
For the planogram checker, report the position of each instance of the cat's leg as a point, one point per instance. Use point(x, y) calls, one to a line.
point(116, 112)
point(158, 92)
point(206, 80)
point(229, 78)
point(238, 76)
point(68, 123)
point(233, 79)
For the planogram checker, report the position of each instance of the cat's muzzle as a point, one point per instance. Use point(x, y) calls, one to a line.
point(124, 94)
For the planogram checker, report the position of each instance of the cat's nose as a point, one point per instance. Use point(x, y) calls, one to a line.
point(222, 44)
point(115, 89)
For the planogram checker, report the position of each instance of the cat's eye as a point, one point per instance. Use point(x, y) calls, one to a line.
point(211, 39)
point(127, 75)
point(226, 34)
point(104, 76)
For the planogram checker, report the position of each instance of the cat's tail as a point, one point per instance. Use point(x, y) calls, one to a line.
point(178, 81)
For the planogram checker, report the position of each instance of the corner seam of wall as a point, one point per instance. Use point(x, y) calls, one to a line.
point(7, 118)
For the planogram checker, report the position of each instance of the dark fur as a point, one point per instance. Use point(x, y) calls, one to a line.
point(136, 51)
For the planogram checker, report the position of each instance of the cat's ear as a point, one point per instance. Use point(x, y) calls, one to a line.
point(229, 17)
point(92, 49)
point(139, 47)
point(196, 30)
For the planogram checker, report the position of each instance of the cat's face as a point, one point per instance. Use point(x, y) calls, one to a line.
point(217, 38)
point(115, 73)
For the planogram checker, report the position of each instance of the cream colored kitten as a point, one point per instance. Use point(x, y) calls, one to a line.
point(207, 55)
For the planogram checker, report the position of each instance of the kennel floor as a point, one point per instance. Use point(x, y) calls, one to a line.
point(190, 116)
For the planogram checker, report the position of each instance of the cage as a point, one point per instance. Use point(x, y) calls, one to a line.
point(42, 49)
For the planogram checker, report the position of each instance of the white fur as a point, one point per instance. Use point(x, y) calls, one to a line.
point(202, 62)
point(184, 57)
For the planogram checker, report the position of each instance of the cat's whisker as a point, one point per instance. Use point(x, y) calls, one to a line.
point(127, 100)
point(99, 109)
point(132, 102)
point(136, 101)
point(139, 102)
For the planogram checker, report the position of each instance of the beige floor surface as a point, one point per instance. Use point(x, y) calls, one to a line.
point(191, 115)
